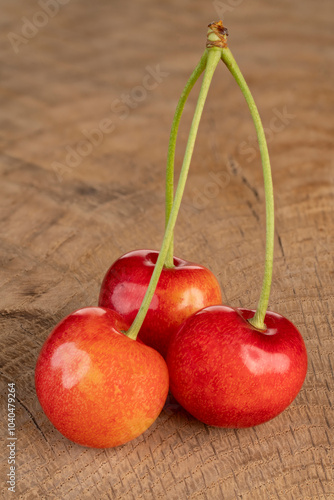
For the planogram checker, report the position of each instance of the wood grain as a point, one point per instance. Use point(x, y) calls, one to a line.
point(62, 228)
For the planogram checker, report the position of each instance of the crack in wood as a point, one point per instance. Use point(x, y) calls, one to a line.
point(280, 245)
point(254, 212)
point(252, 188)
point(32, 417)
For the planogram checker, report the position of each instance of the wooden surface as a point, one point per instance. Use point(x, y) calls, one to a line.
point(62, 227)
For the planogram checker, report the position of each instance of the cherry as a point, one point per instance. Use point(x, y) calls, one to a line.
point(227, 373)
point(229, 367)
point(97, 386)
point(182, 290)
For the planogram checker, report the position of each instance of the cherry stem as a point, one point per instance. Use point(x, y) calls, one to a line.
point(214, 56)
point(169, 262)
point(258, 319)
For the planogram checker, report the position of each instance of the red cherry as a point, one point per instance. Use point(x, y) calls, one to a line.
point(227, 373)
point(182, 290)
point(98, 387)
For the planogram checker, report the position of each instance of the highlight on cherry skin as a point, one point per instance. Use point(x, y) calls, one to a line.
point(227, 373)
point(181, 291)
point(98, 387)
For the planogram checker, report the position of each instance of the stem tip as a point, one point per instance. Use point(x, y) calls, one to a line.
point(220, 32)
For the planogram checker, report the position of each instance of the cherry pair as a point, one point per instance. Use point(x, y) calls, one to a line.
point(228, 367)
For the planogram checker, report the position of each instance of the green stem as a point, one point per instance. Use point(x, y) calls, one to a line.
point(258, 320)
point(169, 262)
point(212, 61)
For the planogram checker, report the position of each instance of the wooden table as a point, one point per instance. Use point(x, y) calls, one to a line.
point(70, 207)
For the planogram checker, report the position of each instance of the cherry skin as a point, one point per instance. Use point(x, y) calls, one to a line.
point(181, 291)
point(226, 373)
point(98, 387)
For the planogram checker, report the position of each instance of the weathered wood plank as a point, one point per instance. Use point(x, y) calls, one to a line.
point(62, 227)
